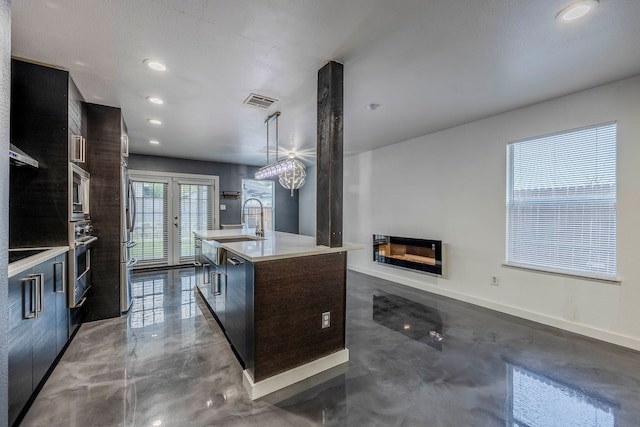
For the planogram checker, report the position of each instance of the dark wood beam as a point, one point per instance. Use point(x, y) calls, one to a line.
point(330, 155)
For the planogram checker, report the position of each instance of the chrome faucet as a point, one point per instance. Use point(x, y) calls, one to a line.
point(259, 227)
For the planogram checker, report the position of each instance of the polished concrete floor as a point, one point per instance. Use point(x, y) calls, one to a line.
point(416, 360)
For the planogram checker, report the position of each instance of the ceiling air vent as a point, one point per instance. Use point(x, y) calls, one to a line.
point(259, 101)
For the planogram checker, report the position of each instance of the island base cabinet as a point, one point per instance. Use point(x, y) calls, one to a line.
point(289, 297)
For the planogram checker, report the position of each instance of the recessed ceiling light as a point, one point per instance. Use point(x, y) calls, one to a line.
point(154, 142)
point(155, 100)
point(155, 65)
point(576, 10)
point(155, 121)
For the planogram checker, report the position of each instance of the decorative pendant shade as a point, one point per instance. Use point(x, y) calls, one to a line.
point(294, 177)
point(291, 172)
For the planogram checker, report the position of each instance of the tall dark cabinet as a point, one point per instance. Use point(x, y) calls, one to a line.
point(104, 145)
point(46, 110)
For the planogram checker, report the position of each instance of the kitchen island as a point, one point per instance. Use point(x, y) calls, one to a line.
point(280, 300)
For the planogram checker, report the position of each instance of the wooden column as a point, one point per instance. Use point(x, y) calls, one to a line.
point(329, 166)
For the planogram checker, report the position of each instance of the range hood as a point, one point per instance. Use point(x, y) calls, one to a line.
point(20, 158)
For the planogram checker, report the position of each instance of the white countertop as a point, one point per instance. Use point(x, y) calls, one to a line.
point(275, 245)
point(25, 264)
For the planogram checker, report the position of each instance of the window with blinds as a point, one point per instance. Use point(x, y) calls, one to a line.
point(150, 231)
point(561, 202)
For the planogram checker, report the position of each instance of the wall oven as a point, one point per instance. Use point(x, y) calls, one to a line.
point(78, 193)
point(81, 243)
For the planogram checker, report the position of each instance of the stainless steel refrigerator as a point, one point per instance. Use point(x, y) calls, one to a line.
point(127, 222)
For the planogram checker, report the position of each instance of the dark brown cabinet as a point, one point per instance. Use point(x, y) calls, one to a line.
point(38, 318)
point(105, 135)
point(46, 111)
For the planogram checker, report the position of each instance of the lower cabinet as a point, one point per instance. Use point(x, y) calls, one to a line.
point(211, 280)
point(239, 306)
point(38, 328)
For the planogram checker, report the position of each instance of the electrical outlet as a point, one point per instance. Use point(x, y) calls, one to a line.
point(495, 281)
point(326, 319)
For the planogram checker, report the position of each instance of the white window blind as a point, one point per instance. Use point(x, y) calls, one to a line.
point(195, 215)
point(561, 202)
point(150, 231)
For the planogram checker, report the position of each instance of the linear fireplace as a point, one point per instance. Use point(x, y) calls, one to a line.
point(416, 254)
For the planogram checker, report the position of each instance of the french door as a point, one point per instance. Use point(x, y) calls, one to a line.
point(169, 208)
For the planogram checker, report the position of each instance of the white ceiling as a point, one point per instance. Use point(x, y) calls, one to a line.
point(430, 64)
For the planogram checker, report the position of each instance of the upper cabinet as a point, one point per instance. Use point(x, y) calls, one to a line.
point(47, 114)
point(77, 126)
point(124, 141)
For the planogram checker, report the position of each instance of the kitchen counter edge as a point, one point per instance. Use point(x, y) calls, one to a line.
point(25, 264)
point(280, 245)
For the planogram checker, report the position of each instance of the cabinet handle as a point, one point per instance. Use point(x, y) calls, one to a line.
point(40, 280)
point(215, 290)
point(205, 267)
point(125, 145)
point(234, 261)
point(32, 294)
point(55, 277)
point(76, 148)
point(83, 153)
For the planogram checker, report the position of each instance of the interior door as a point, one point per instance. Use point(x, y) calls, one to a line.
point(169, 208)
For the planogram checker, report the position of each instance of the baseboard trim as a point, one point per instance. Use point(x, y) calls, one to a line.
point(292, 376)
point(578, 328)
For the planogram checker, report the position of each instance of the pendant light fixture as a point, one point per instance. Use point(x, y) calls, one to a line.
point(291, 172)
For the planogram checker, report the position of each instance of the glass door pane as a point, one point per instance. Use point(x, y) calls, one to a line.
point(195, 214)
point(150, 231)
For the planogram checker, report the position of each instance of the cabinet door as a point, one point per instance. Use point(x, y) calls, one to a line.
point(22, 295)
point(220, 288)
point(22, 299)
point(235, 309)
point(20, 363)
point(62, 312)
point(44, 327)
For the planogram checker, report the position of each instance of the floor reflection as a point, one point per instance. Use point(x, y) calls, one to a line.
point(414, 320)
point(187, 280)
point(153, 291)
point(538, 401)
point(148, 297)
point(174, 367)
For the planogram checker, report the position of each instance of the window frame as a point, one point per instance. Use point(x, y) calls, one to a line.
point(581, 274)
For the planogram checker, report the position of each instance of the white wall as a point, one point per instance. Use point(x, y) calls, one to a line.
point(5, 85)
point(450, 186)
